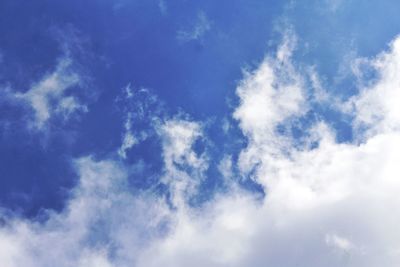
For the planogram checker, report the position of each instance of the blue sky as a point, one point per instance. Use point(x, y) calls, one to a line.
point(209, 133)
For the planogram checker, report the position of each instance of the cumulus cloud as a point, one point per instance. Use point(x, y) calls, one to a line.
point(269, 96)
point(376, 108)
point(332, 204)
point(105, 223)
point(95, 229)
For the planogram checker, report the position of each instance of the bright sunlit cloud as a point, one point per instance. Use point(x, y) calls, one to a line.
point(194, 199)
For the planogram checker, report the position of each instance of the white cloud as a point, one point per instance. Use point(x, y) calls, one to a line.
point(183, 166)
point(331, 205)
point(340, 243)
point(139, 107)
point(200, 28)
point(102, 225)
point(225, 167)
point(268, 96)
point(129, 140)
point(377, 108)
point(178, 138)
point(49, 97)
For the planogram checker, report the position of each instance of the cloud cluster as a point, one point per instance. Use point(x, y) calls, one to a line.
point(102, 225)
point(332, 204)
point(376, 108)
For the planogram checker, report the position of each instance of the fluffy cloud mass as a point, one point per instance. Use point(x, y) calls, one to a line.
point(330, 204)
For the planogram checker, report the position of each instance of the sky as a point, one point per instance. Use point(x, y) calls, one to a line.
point(199, 133)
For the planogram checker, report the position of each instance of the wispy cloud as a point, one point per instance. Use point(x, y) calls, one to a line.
point(49, 97)
point(201, 26)
point(184, 168)
point(328, 205)
point(162, 5)
point(61, 91)
point(334, 5)
point(139, 107)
